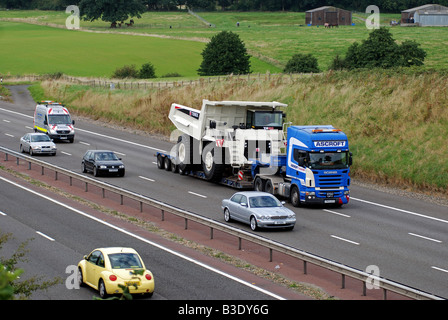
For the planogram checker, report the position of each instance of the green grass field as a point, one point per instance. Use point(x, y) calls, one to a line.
point(270, 37)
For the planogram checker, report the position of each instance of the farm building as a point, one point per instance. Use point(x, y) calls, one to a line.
point(328, 16)
point(427, 15)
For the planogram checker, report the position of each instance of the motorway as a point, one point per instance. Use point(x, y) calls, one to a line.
point(404, 237)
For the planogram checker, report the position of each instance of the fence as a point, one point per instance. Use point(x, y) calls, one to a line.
point(343, 270)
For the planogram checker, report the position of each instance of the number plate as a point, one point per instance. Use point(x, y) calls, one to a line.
point(329, 201)
point(132, 283)
point(113, 170)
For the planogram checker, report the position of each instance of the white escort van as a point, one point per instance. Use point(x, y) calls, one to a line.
point(54, 119)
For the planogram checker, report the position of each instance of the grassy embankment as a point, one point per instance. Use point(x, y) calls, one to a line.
point(397, 121)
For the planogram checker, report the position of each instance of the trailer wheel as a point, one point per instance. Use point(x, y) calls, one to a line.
point(269, 187)
point(167, 164)
point(160, 162)
point(212, 169)
point(295, 196)
point(258, 184)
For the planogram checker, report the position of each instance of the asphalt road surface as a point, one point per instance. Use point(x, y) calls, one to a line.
point(404, 237)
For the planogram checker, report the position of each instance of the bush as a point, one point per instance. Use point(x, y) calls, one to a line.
point(147, 71)
point(305, 63)
point(126, 72)
point(224, 54)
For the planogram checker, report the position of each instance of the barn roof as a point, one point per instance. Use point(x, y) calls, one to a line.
point(432, 7)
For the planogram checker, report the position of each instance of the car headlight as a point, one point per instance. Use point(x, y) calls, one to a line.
point(121, 166)
point(292, 216)
point(35, 147)
point(264, 217)
point(103, 167)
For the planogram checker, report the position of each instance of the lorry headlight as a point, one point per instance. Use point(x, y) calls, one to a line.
point(346, 193)
point(311, 193)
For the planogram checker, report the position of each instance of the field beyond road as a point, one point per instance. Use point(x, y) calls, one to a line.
point(173, 41)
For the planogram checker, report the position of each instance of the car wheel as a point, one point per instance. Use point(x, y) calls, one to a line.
point(227, 217)
point(95, 171)
point(21, 149)
point(295, 196)
point(80, 278)
point(253, 223)
point(83, 167)
point(31, 152)
point(102, 289)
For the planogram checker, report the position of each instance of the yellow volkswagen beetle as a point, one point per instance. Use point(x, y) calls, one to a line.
point(104, 269)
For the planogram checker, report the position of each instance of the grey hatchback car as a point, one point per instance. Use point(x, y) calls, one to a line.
point(259, 210)
point(37, 143)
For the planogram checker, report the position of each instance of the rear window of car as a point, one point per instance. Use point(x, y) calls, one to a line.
point(125, 261)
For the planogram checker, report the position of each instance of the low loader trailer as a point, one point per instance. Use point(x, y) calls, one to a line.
point(247, 145)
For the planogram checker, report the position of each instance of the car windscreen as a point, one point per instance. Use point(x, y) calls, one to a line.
point(40, 138)
point(124, 260)
point(105, 156)
point(264, 202)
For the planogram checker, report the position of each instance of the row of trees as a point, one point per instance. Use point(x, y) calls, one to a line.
point(226, 54)
point(244, 5)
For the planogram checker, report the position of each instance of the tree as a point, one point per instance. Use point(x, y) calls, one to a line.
point(147, 71)
point(302, 63)
point(224, 54)
point(381, 51)
point(111, 10)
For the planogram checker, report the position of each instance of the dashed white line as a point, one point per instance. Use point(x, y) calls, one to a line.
point(440, 269)
point(85, 143)
point(28, 127)
point(197, 194)
point(338, 213)
point(66, 153)
point(44, 235)
point(2, 213)
point(401, 210)
point(145, 178)
point(7, 121)
point(120, 154)
point(423, 237)
point(346, 240)
point(9, 135)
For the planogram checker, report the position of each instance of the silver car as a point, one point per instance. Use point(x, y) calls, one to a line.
point(259, 210)
point(37, 143)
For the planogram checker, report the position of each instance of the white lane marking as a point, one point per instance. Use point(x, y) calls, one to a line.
point(120, 154)
point(28, 127)
point(423, 237)
point(66, 153)
point(346, 240)
point(440, 269)
point(197, 194)
point(44, 235)
point(401, 210)
point(205, 266)
point(338, 213)
point(7, 121)
point(144, 178)
point(2, 213)
point(85, 143)
point(9, 135)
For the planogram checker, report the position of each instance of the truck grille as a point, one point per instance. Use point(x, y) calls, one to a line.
point(328, 181)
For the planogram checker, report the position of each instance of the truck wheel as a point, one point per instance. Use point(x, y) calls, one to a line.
point(184, 153)
point(295, 196)
point(212, 170)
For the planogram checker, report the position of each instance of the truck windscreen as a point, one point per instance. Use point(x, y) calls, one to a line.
point(265, 120)
point(328, 160)
point(59, 119)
